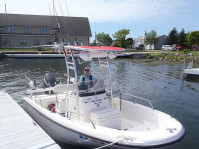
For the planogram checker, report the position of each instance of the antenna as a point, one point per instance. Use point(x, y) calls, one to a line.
point(5, 9)
point(69, 20)
point(55, 26)
point(54, 12)
point(67, 8)
point(49, 8)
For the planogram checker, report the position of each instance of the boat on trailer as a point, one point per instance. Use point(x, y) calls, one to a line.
point(86, 114)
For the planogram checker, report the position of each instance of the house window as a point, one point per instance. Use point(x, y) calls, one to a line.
point(23, 42)
point(11, 29)
point(49, 42)
point(6, 41)
point(27, 29)
point(35, 42)
point(44, 30)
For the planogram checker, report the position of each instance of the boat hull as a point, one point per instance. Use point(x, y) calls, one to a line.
point(68, 136)
point(62, 134)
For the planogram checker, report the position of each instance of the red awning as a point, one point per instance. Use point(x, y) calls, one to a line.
point(95, 48)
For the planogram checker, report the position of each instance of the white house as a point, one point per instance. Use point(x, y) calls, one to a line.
point(161, 40)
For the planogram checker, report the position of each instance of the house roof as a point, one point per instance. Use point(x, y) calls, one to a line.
point(72, 26)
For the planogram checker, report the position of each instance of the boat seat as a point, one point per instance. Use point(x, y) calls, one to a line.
point(108, 117)
point(44, 102)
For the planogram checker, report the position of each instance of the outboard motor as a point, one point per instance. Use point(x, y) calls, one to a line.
point(49, 80)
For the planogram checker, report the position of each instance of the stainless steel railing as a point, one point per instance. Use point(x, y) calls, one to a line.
point(137, 98)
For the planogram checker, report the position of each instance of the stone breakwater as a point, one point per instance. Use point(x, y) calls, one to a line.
point(172, 56)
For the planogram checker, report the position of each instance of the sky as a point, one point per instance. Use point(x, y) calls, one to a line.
point(109, 16)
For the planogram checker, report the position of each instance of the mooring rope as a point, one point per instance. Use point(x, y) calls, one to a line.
point(112, 143)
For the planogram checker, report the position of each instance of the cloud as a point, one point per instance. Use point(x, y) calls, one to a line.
point(100, 10)
point(124, 10)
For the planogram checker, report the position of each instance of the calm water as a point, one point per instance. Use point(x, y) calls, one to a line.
point(160, 82)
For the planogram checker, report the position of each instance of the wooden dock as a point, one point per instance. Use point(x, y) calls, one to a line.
point(18, 130)
point(35, 55)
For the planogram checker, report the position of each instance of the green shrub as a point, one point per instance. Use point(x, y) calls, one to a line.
point(185, 51)
point(150, 57)
point(39, 48)
point(145, 56)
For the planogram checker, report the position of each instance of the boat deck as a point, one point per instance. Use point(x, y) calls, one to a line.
point(18, 130)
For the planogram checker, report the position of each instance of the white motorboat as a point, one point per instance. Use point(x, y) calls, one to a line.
point(83, 114)
point(190, 70)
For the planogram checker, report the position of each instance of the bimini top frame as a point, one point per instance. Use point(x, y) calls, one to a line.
point(87, 53)
point(95, 48)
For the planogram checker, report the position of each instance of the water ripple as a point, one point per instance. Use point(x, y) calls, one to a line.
point(160, 82)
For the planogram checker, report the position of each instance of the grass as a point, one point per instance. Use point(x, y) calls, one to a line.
point(195, 53)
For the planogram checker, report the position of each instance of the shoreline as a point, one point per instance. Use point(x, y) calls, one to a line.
point(174, 56)
point(158, 55)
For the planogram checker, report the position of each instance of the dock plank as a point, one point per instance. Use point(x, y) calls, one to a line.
point(18, 129)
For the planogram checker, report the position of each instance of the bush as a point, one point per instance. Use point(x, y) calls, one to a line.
point(39, 48)
point(185, 51)
point(150, 57)
point(145, 56)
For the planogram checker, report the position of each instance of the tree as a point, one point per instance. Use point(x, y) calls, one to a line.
point(173, 37)
point(103, 39)
point(129, 41)
point(193, 38)
point(120, 38)
point(182, 38)
point(107, 40)
point(94, 42)
point(151, 38)
point(187, 43)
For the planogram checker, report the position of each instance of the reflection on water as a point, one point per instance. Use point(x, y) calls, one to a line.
point(160, 82)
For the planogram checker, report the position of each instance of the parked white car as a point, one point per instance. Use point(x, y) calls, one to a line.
point(168, 47)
